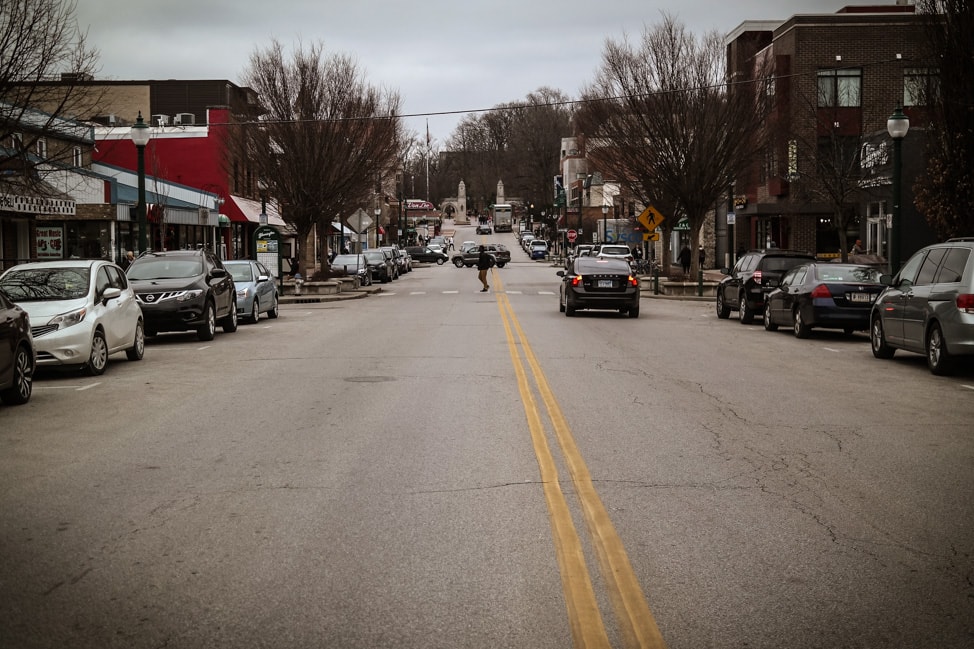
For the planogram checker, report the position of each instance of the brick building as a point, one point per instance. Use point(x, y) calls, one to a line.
point(837, 77)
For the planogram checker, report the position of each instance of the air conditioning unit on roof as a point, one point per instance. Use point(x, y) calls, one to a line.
point(185, 119)
point(160, 120)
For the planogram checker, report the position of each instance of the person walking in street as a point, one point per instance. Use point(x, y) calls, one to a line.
point(484, 263)
point(685, 259)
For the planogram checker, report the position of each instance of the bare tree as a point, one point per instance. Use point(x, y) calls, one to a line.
point(540, 122)
point(44, 62)
point(945, 192)
point(324, 139)
point(660, 118)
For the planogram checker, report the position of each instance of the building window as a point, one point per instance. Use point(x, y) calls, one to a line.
point(17, 141)
point(920, 86)
point(839, 88)
point(42, 147)
point(76, 156)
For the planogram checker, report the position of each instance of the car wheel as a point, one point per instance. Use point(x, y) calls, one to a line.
point(877, 340)
point(207, 330)
point(368, 281)
point(561, 304)
point(634, 311)
point(273, 312)
point(569, 308)
point(255, 311)
point(744, 312)
point(802, 330)
point(458, 262)
point(939, 359)
point(137, 350)
point(98, 359)
point(23, 380)
point(723, 311)
point(230, 322)
point(769, 325)
point(501, 265)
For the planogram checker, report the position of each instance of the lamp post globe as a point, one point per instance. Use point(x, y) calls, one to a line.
point(897, 126)
point(140, 137)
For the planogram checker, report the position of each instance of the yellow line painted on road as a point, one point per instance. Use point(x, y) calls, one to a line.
point(588, 631)
point(636, 621)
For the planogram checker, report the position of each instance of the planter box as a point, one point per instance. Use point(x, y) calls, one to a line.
point(686, 288)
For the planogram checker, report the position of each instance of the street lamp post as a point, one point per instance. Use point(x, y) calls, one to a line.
point(140, 137)
point(262, 187)
point(605, 223)
point(378, 225)
point(897, 126)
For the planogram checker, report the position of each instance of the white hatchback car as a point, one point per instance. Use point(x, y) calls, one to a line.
point(81, 311)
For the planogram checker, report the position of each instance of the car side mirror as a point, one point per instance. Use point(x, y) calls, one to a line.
point(110, 294)
point(263, 278)
point(886, 279)
point(218, 272)
point(725, 271)
point(560, 273)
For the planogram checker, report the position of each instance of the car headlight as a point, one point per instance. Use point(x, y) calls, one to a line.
point(242, 293)
point(69, 319)
point(189, 295)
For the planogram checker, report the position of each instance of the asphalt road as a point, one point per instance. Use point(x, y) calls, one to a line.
point(433, 466)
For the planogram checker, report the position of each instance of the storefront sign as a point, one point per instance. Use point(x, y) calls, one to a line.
point(36, 205)
point(50, 243)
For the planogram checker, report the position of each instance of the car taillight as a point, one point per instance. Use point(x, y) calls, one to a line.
point(633, 281)
point(821, 291)
point(965, 302)
point(757, 277)
point(576, 280)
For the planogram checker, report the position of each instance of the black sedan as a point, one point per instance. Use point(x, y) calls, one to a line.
point(829, 296)
point(17, 353)
point(427, 255)
point(599, 283)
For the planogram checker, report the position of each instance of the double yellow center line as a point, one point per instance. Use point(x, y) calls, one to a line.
point(637, 626)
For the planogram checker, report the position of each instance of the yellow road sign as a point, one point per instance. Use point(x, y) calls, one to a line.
point(650, 236)
point(651, 218)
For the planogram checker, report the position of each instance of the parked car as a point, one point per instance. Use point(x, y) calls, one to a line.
point(615, 250)
point(353, 265)
point(380, 265)
point(539, 249)
point(81, 311)
point(755, 275)
point(580, 250)
point(483, 228)
point(408, 259)
point(928, 307)
point(184, 290)
point(500, 253)
point(598, 283)
point(398, 258)
point(830, 296)
point(256, 289)
point(17, 353)
point(427, 255)
point(526, 239)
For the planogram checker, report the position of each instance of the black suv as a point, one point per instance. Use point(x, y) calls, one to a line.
point(755, 274)
point(183, 290)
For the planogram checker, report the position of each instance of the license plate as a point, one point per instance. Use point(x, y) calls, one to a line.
point(860, 297)
point(605, 283)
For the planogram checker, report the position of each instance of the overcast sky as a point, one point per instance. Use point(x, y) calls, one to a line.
point(441, 56)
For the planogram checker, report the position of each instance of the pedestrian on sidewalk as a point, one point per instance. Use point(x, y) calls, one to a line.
point(701, 257)
point(685, 259)
point(484, 263)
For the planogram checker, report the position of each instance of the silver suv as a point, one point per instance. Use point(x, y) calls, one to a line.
point(928, 308)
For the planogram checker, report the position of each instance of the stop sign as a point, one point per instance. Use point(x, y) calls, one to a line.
point(572, 235)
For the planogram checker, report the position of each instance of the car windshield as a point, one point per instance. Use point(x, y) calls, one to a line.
point(241, 272)
point(375, 257)
point(32, 284)
point(165, 268)
point(342, 261)
point(852, 274)
point(592, 265)
point(782, 263)
point(614, 250)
